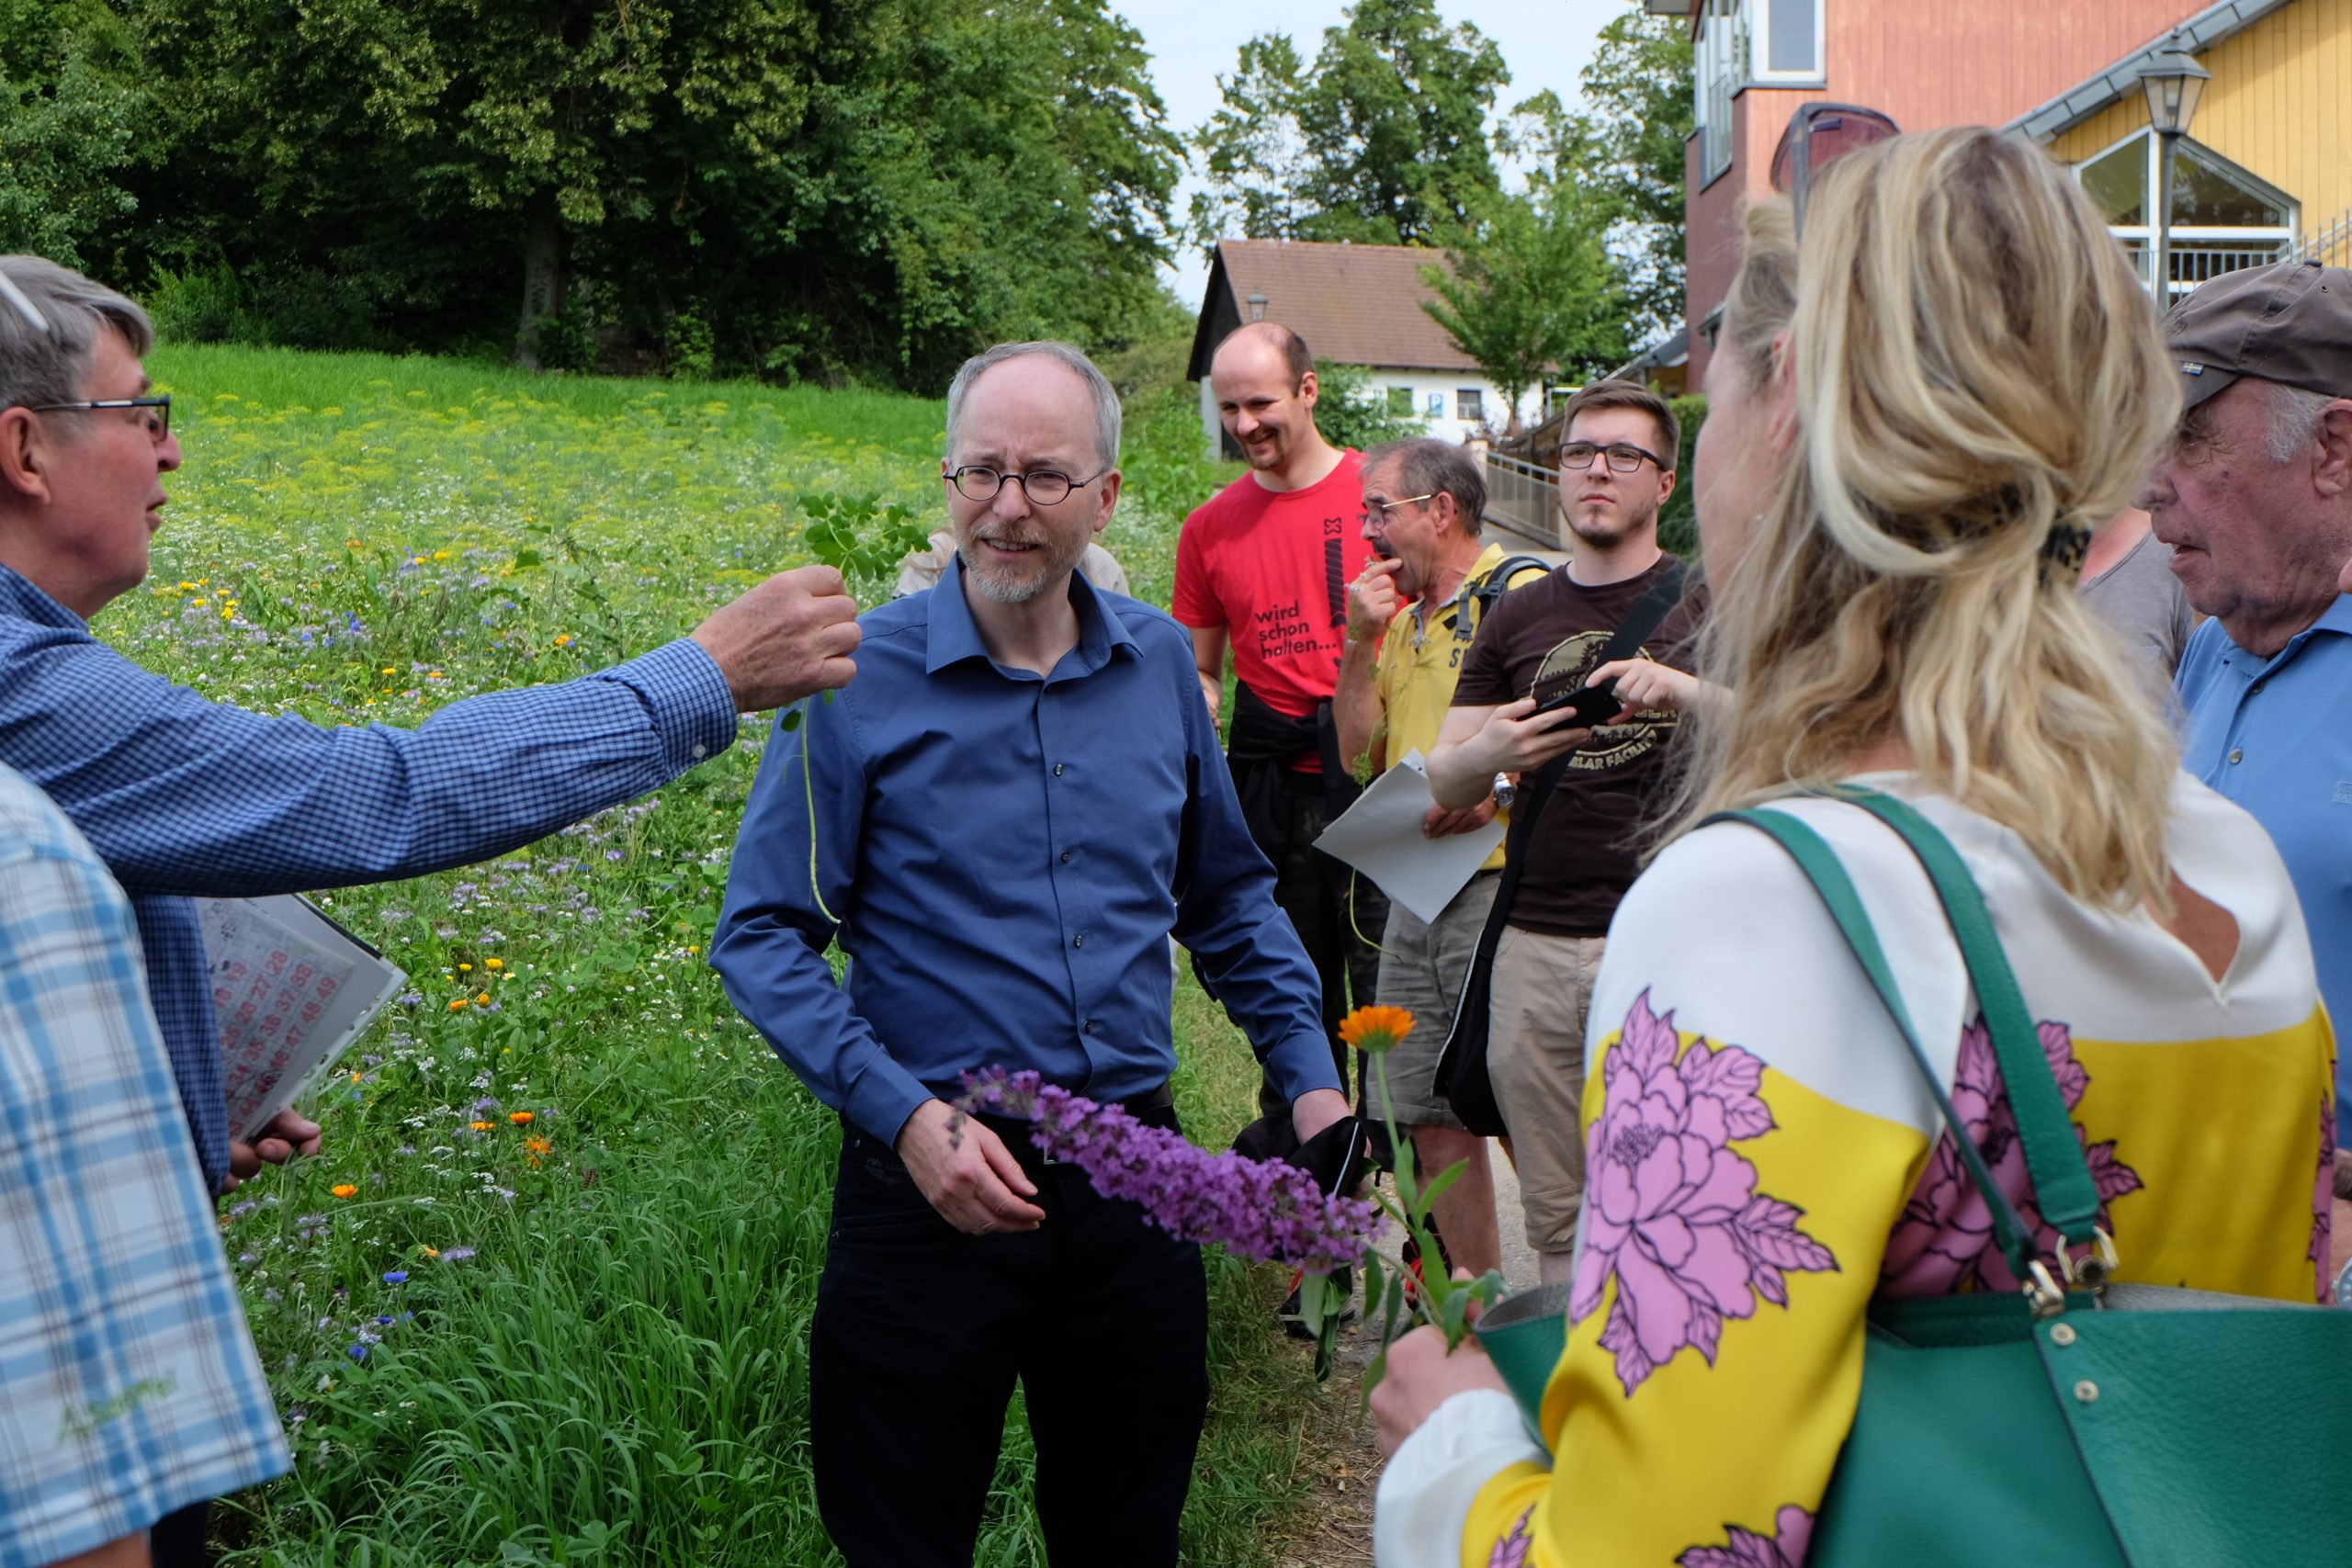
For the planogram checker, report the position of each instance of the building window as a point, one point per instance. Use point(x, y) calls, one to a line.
point(1722, 67)
point(1469, 404)
point(1788, 40)
point(2222, 217)
point(1400, 402)
point(1435, 408)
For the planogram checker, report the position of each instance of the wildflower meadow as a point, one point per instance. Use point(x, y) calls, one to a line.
point(543, 1297)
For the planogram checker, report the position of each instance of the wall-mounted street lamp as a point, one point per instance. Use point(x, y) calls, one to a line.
point(1257, 306)
point(2172, 82)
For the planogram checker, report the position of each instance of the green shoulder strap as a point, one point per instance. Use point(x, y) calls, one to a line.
point(1827, 874)
point(2054, 1153)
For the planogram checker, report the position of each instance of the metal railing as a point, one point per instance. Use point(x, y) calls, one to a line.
point(2331, 245)
point(2193, 262)
point(1524, 499)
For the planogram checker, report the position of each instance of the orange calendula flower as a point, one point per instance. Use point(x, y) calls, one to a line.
point(1375, 1029)
point(344, 1190)
point(429, 1251)
point(459, 1005)
point(520, 1118)
point(536, 1144)
point(480, 1126)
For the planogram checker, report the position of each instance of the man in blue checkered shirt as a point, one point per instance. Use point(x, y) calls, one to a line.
point(128, 1388)
point(181, 797)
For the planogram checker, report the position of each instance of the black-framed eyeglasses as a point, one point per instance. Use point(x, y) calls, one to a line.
point(1624, 458)
point(158, 420)
point(1376, 513)
point(1044, 487)
point(1818, 134)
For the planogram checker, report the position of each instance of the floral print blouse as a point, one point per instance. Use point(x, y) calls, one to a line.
point(1762, 1158)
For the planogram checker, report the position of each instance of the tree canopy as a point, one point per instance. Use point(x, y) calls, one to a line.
point(1382, 139)
point(797, 187)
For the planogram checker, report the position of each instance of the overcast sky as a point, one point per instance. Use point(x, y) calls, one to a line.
point(1544, 42)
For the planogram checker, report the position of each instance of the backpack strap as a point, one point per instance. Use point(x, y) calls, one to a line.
point(1484, 591)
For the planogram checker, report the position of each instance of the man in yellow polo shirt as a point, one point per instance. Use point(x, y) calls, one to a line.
point(1410, 618)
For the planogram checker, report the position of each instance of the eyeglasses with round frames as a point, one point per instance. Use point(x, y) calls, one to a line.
point(1624, 458)
point(1376, 513)
point(158, 421)
point(1044, 487)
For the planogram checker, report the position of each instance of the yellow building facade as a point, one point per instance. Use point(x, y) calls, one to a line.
point(2266, 168)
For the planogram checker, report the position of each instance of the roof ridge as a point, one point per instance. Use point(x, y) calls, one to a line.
point(2199, 33)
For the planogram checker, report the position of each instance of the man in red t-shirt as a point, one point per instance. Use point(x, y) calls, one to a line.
point(1263, 567)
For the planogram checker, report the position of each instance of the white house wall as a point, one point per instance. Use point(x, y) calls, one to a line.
point(1443, 384)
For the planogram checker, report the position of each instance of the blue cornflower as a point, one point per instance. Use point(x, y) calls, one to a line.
point(396, 1277)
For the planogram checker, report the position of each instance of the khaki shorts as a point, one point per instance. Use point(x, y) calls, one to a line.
point(1423, 966)
point(1535, 1056)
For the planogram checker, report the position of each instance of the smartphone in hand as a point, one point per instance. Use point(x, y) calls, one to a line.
point(1591, 705)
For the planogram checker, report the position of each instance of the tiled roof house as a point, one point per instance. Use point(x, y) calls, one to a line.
point(1355, 305)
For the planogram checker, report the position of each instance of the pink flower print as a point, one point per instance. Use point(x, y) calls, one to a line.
point(1512, 1550)
point(1671, 1212)
point(2323, 1197)
point(1943, 1243)
point(1785, 1548)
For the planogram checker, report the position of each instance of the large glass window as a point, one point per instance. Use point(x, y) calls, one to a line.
point(2224, 218)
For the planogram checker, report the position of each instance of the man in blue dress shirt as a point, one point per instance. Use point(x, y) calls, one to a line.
point(182, 797)
point(2256, 501)
point(1001, 824)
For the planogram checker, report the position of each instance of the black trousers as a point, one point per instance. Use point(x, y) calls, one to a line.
point(920, 1331)
point(1315, 891)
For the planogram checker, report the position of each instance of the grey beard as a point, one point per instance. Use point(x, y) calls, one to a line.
point(1000, 589)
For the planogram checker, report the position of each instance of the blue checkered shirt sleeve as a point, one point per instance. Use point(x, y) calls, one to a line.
point(129, 1386)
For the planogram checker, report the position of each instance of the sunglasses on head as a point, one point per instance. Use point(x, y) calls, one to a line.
point(1817, 135)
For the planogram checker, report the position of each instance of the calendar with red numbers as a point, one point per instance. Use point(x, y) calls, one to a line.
point(291, 990)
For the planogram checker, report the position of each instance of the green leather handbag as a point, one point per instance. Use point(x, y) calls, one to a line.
point(2079, 1422)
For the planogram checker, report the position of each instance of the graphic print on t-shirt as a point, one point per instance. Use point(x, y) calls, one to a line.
point(1271, 568)
point(1565, 668)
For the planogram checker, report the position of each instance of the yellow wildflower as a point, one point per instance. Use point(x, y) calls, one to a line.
point(480, 1126)
point(465, 968)
point(493, 964)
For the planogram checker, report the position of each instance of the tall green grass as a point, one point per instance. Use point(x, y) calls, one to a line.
point(580, 1337)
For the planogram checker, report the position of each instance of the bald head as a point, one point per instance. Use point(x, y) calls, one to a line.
point(1261, 345)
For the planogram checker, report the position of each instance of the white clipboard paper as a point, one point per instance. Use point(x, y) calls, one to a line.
point(291, 990)
point(1380, 835)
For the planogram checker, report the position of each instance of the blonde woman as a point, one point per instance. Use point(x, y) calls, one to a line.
point(1910, 436)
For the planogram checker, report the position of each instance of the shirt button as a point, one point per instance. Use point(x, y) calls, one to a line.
point(1090, 1024)
point(1065, 857)
point(1079, 940)
point(700, 750)
point(2256, 690)
point(2236, 756)
point(1058, 769)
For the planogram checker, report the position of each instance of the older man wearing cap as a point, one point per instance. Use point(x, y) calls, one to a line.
point(2256, 501)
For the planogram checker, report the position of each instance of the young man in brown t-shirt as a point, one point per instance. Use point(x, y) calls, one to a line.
point(1582, 855)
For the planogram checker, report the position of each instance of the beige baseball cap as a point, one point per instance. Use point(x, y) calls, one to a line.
point(2289, 323)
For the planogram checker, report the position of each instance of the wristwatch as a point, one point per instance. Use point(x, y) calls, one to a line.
point(1505, 790)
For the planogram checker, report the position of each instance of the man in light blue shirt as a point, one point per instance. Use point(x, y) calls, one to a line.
point(2256, 501)
point(129, 1387)
point(1002, 823)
